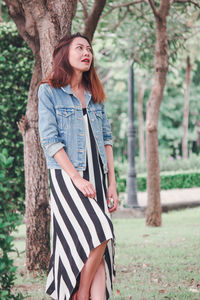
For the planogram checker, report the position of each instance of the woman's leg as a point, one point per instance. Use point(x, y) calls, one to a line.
point(98, 286)
point(89, 270)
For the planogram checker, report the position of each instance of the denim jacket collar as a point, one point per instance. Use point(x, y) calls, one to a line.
point(67, 89)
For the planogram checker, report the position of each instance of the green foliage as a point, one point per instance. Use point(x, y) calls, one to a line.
point(187, 176)
point(123, 35)
point(175, 180)
point(168, 163)
point(9, 220)
point(171, 114)
point(169, 181)
point(16, 63)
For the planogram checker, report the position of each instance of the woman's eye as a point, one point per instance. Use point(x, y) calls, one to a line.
point(79, 47)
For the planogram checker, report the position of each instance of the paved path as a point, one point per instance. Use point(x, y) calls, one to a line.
point(170, 199)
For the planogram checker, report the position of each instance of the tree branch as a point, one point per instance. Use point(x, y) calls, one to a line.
point(186, 1)
point(84, 4)
point(25, 23)
point(112, 7)
point(93, 18)
point(164, 8)
point(153, 6)
point(127, 4)
point(120, 21)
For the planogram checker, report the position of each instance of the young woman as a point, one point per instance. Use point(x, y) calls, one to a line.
point(77, 141)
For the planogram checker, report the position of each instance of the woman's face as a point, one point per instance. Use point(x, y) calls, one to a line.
point(80, 54)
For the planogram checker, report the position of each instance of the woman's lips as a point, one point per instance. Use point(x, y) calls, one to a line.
point(87, 61)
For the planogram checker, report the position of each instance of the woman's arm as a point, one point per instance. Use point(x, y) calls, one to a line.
point(83, 185)
point(111, 192)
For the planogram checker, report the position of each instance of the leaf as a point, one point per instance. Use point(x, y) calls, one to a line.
point(2, 58)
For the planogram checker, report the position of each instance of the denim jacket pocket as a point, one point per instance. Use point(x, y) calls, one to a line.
point(64, 117)
point(98, 114)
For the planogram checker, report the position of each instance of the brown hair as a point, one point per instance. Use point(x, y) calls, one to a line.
point(62, 71)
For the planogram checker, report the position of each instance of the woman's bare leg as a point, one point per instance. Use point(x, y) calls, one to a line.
point(98, 286)
point(89, 270)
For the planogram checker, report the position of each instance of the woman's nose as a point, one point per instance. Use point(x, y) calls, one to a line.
point(86, 52)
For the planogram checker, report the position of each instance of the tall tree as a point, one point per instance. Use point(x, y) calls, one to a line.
point(140, 119)
point(161, 64)
point(153, 213)
point(186, 110)
point(141, 90)
point(41, 24)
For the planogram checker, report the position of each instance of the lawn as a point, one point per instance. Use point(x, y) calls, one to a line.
point(151, 263)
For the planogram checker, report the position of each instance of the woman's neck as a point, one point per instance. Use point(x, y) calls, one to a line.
point(76, 81)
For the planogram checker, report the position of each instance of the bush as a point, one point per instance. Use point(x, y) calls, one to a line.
point(169, 180)
point(186, 177)
point(173, 180)
point(16, 63)
point(168, 163)
point(9, 220)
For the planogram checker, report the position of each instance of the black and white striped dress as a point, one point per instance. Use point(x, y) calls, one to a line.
point(79, 224)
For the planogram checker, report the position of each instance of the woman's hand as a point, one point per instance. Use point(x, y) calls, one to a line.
point(84, 186)
point(112, 198)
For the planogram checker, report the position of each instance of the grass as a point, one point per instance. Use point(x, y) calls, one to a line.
point(151, 263)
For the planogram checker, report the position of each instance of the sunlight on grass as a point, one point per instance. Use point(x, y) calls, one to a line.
point(151, 263)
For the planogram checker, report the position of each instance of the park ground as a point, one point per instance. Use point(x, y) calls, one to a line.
point(151, 263)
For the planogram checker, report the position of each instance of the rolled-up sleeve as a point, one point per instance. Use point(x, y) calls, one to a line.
point(107, 133)
point(47, 123)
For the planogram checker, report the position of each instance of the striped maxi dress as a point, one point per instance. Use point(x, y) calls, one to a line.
point(79, 224)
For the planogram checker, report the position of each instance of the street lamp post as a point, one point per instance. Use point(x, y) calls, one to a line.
point(131, 176)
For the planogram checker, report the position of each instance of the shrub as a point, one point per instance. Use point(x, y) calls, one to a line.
point(169, 180)
point(173, 180)
point(16, 63)
point(9, 220)
point(168, 163)
point(186, 177)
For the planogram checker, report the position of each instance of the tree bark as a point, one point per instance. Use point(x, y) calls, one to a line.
point(37, 196)
point(140, 119)
point(41, 24)
point(153, 212)
point(186, 110)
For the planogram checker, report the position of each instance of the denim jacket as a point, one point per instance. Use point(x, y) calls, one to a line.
point(61, 125)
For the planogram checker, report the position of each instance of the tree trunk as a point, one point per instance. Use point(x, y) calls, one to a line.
point(186, 111)
point(41, 26)
point(37, 196)
point(140, 119)
point(153, 212)
point(1, 19)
